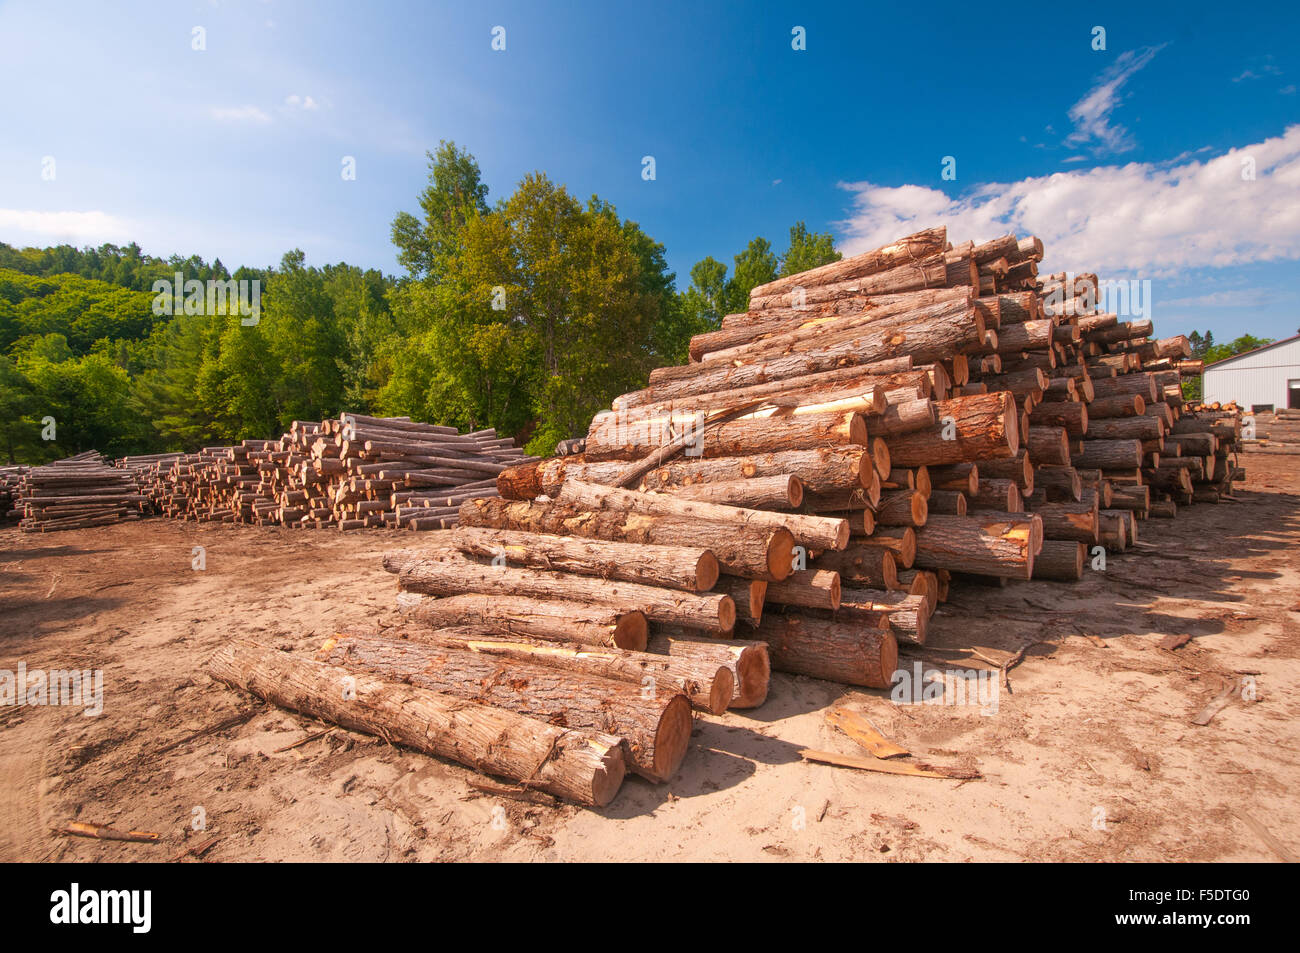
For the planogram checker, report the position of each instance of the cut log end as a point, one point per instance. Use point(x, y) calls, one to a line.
point(672, 737)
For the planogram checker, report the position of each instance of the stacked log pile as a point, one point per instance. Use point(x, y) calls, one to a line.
point(350, 473)
point(9, 480)
point(1276, 432)
point(963, 415)
point(76, 493)
point(799, 498)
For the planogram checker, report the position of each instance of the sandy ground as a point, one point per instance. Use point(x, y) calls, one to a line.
point(1091, 755)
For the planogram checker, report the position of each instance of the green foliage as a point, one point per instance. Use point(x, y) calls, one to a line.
point(536, 313)
point(807, 250)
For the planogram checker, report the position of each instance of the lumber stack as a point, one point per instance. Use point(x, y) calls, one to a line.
point(799, 497)
point(10, 477)
point(76, 493)
point(350, 473)
point(1276, 432)
point(965, 417)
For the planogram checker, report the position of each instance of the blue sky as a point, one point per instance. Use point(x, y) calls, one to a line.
point(1127, 161)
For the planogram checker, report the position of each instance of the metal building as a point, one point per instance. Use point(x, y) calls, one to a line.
point(1267, 378)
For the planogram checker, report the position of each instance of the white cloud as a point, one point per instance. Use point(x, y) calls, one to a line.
point(301, 102)
point(1236, 298)
point(1092, 114)
point(1148, 218)
point(239, 114)
point(21, 227)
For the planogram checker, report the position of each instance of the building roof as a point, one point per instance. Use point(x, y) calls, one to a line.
point(1254, 350)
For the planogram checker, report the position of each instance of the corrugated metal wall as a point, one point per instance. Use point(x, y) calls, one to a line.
point(1255, 379)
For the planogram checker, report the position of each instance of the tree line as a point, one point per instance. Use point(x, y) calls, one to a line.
point(528, 315)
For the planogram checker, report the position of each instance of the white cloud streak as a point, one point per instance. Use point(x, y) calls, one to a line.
point(1147, 218)
point(1091, 115)
point(239, 114)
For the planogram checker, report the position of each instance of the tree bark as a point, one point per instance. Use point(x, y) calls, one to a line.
point(814, 532)
point(754, 552)
point(986, 544)
point(668, 567)
point(708, 686)
point(983, 425)
point(848, 652)
point(656, 729)
point(748, 661)
point(551, 620)
point(450, 574)
point(581, 765)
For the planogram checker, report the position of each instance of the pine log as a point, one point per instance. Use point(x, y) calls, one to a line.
point(1061, 560)
point(669, 567)
point(848, 652)
point(449, 574)
point(581, 765)
point(656, 729)
point(708, 686)
point(748, 661)
point(987, 544)
point(1069, 521)
point(864, 564)
point(1108, 454)
point(810, 588)
point(968, 428)
point(923, 244)
point(754, 552)
point(551, 620)
point(760, 493)
point(814, 532)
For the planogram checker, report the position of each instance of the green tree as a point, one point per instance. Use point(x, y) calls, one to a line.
point(807, 250)
point(454, 195)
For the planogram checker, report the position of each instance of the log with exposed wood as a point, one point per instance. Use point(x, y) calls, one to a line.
point(754, 552)
point(656, 727)
point(708, 686)
point(746, 659)
point(582, 765)
point(440, 573)
point(671, 567)
point(815, 532)
point(552, 620)
point(850, 652)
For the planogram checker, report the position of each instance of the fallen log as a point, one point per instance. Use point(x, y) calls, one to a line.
point(581, 765)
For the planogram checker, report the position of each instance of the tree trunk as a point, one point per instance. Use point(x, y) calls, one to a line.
point(581, 765)
point(811, 588)
point(638, 439)
point(815, 532)
point(669, 567)
point(551, 620)
point(1060, 559)
point(847, 652)
point(754, 552)
point(450, 574)
point(759, 493)
point(986, 544)
point(656, 729)
point(982, 425)
point(862, 564)
point(708, 686)
point(748, 661)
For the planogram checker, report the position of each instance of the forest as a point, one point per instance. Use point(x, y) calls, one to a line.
point(526, 315)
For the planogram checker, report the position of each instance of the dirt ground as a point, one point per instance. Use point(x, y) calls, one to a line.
point(1091, 755)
